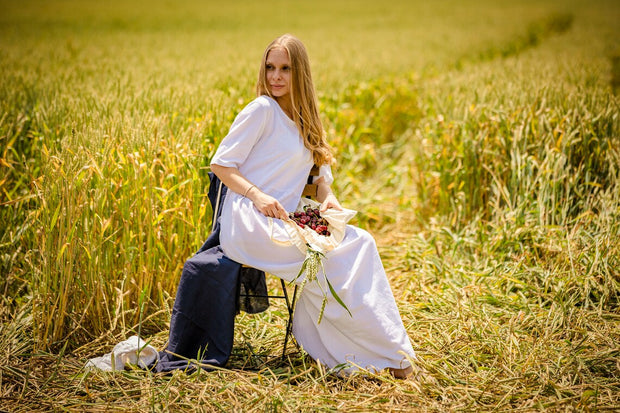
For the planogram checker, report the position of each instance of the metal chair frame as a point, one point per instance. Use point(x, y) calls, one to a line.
point(290, 307)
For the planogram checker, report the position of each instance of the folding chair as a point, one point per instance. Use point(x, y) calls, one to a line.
point(310, 191)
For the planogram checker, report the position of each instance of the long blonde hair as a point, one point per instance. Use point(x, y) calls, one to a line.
point(303, 97)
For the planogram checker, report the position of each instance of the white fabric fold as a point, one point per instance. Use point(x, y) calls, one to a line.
point(134, 351)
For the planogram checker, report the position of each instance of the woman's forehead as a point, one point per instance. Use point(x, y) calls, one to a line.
point(278, 53)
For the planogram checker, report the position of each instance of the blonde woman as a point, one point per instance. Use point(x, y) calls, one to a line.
point(264, 161)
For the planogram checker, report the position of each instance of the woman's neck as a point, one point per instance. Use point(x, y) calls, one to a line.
point(286, 105)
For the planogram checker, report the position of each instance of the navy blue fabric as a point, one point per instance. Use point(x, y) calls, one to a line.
point(203, 316)
point(252, 283)
point(207, 300)
point(214, 184)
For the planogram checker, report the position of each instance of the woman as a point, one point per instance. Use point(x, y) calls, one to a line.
point(264, 161)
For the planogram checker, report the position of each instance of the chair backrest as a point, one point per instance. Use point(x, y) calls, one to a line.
point(311, 189)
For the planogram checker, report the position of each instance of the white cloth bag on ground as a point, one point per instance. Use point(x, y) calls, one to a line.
point(134, 350)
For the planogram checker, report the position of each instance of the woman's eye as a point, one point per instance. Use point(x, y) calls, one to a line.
point(286, 68)
point(269, 67)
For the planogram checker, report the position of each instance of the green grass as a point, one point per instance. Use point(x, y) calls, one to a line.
point(479, 141)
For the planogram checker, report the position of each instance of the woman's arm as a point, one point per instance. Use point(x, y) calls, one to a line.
point(235, 181)
point(325, 196)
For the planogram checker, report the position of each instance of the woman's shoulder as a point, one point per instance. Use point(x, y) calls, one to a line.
point(262, 102)
point(261, 106)
point(265, 100)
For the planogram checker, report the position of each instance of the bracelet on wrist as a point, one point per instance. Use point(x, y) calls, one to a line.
point(248, 190)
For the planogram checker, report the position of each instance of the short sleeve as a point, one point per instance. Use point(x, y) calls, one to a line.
point(245, 131)
point(325, 171)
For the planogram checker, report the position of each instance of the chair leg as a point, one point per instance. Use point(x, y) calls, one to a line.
point(290, 306)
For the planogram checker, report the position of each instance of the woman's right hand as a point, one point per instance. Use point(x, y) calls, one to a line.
point(266, 204)
point(235, 181)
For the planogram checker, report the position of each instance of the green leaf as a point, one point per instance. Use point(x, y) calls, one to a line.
point(331, 288)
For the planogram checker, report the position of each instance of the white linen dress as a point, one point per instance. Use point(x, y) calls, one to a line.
point(266, 147)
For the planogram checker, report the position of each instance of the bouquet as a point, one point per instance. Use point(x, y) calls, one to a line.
point(315, 235)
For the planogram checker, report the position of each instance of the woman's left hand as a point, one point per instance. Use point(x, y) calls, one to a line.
point(325, 196)
point(330, 201)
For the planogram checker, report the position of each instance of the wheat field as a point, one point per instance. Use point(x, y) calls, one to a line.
point(478, 140)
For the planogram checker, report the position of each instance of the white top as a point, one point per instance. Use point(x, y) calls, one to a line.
point(267, 148)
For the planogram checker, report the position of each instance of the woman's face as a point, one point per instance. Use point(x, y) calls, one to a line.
point(278, 70)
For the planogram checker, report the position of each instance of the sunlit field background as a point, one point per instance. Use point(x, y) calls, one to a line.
point(479, 141)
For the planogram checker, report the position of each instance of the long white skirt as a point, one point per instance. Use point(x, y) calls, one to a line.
point(374, 337)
